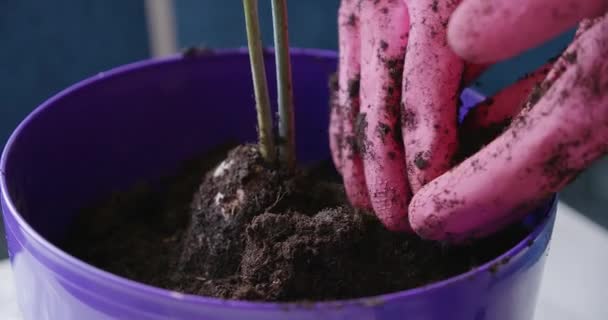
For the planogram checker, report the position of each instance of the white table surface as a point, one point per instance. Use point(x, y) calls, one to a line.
point(575, 284)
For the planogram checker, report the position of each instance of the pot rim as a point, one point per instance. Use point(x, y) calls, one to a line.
point(156, 293)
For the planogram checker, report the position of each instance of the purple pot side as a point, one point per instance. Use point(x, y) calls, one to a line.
point(139, 122)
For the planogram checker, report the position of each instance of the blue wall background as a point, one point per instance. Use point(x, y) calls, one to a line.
point(48, 45)
point(312, 23)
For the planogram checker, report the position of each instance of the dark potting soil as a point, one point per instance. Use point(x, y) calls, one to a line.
point(241, 230)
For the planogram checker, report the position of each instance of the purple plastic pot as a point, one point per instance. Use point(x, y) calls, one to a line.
point(140, 121)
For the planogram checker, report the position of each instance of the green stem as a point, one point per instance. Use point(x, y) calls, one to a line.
point(256, 56)
point(284, 84)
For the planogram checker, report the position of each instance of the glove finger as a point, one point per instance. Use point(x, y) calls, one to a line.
point(384, 31)
point(503, 29)
point(489, 118)
point(335, 123)
point(431, 82)
point(349, 76)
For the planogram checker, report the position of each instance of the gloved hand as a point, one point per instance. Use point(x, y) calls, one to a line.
point(393, 125)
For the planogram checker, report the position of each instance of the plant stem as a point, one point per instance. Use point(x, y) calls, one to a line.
point(256, 57)
point(287, 151)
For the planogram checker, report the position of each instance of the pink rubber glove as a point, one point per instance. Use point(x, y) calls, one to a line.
point(393, 125)
point(561, 130)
